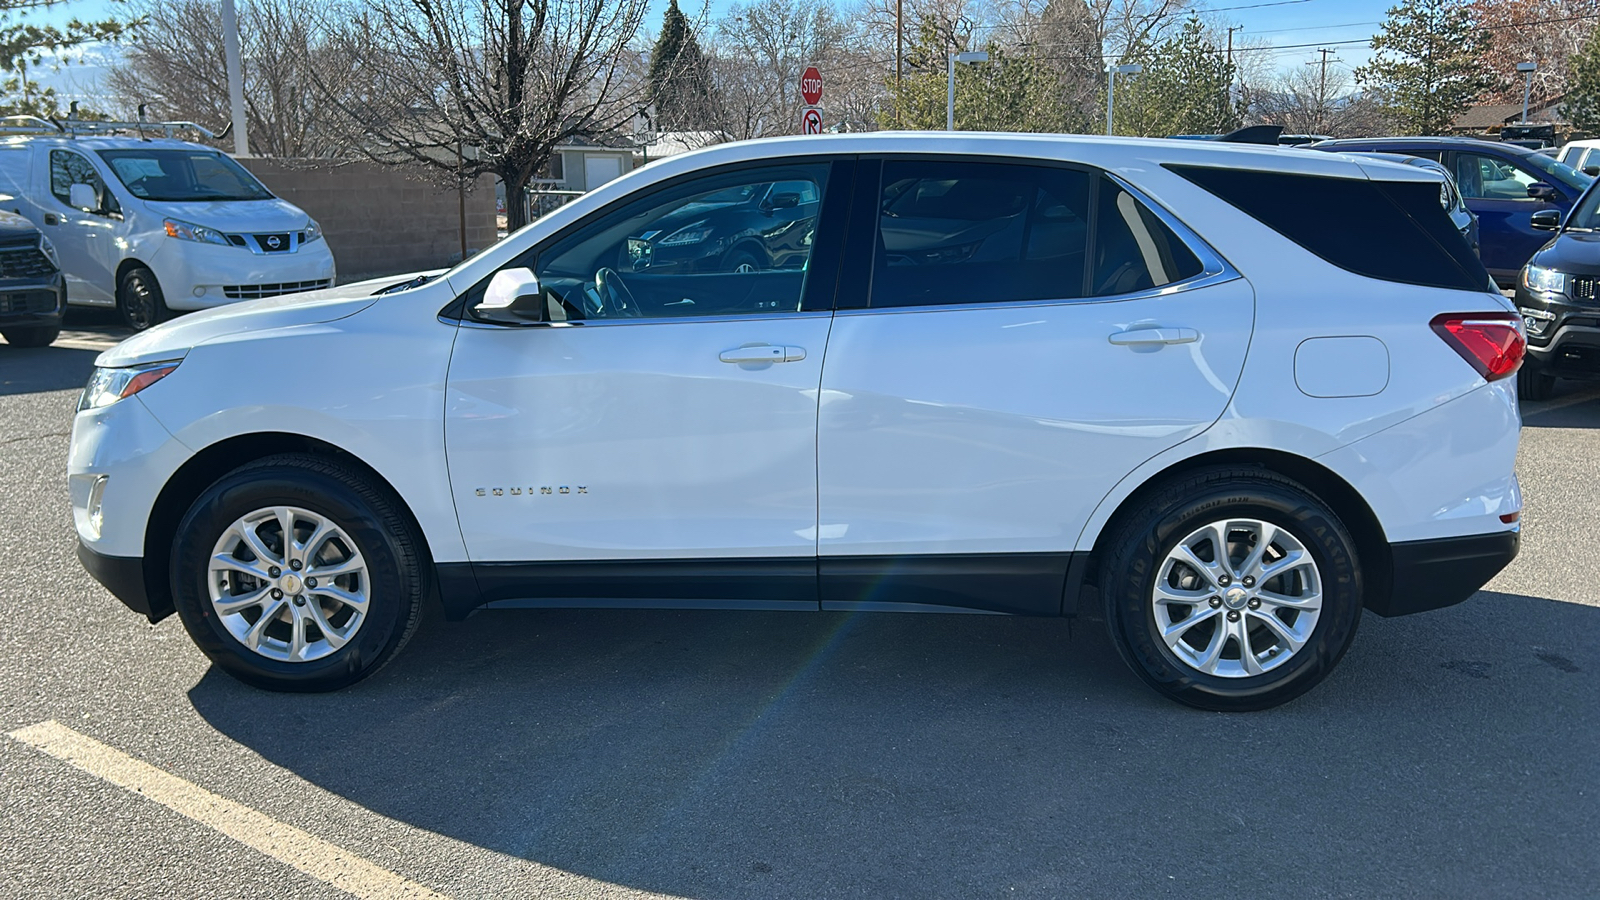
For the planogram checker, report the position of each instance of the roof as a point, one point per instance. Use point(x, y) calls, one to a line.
point(1393, 144)
point(1487, 116)
point(1110, 153)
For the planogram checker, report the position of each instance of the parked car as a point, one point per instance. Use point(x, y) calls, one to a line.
point(157, 226)
point(1449, 197)
point(1006, 379)
point(748, 228)
point(1503, 185)
point(1583, 155)
point(32, 293)
point(1559, 302)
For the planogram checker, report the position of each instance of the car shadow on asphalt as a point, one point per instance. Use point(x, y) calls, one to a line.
point(738, 754)
point(34, 370)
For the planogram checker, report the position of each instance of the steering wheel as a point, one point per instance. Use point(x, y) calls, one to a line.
point(614, 300)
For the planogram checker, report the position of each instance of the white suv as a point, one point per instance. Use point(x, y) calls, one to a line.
point(152, 227)
point(1225, 397)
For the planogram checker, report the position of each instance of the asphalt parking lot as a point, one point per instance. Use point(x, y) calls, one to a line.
point(746, 755)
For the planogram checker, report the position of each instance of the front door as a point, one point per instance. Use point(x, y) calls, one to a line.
point(1031, 335)
point(1496, 189)
point(85, 238)
point(660, 433)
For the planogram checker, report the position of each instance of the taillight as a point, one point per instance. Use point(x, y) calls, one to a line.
point(1492, 343)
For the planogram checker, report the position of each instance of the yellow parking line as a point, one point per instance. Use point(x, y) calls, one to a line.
point(312, 855)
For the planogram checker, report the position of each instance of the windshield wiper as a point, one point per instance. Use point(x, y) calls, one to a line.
point(418, 281)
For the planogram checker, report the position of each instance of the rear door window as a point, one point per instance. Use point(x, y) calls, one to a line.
point(958, 232)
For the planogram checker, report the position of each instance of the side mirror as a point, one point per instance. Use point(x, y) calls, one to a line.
point(1541, 191)
point(84, 197)
point(1591, 170)
point(513, 294)
point(783, 201)
point(1547, 220)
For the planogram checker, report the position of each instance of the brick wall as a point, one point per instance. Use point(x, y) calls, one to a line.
point(381, 220)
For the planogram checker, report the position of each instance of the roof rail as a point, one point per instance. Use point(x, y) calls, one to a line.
point(74, 126)
point(1253, 134)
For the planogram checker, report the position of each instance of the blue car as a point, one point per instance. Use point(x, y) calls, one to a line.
point(1503, 185)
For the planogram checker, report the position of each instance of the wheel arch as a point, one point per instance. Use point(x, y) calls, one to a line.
point(216, 460)
point(1372, 545)
point(126, 266)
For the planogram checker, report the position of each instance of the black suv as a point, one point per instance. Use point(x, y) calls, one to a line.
point(1558, 294)
point(32, 291)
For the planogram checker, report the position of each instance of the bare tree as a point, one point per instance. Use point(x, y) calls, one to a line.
point(1303, 102)
point(506, 81)
point(175, 64)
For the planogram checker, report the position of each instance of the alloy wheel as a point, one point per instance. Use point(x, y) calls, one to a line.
point(288, 584)
point(1237, 598)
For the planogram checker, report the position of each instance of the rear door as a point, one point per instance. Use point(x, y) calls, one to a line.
point(1012, 340)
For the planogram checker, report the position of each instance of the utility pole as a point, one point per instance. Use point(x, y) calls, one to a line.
point(899, 54)
point(1322, 92)
point(1231, 30)
point(230, 55)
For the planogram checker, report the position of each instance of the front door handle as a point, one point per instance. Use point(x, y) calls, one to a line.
point(53, 219)
point(763, 353)
point(1141, 337)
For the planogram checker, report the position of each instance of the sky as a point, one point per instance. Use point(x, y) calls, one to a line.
point(1297, 28)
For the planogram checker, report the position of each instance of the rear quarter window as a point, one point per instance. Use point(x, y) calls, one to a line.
point(1389, 230)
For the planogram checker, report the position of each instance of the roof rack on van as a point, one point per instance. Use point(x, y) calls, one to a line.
point(74, 126)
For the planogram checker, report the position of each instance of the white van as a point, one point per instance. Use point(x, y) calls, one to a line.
point(155, 226)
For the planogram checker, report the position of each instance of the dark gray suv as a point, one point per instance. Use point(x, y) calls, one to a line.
point(33, 294)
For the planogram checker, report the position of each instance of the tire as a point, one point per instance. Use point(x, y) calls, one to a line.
point(1194, 668)
point(742, 262)
point(140, 301)
point(36, 336)
point(1534, 385)
point(339, 642)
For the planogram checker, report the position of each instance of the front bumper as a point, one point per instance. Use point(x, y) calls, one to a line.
point(123, 576)
point(1563, 336)
point(28, 305)
point(1437, 573)
point(199, 276)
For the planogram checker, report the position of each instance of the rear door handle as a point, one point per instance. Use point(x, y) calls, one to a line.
point(765, 353)
point(1138, 337)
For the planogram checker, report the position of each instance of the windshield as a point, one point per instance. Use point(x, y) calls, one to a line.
point(1586, 215)
point(1560, 171)
point(177, 175)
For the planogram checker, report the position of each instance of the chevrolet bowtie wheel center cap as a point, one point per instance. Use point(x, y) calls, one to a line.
point(1233, 598)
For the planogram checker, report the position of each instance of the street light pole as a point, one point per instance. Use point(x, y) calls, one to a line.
point(971, 57)
point(230, 54)
point(1111, 88)
point(1527, 68)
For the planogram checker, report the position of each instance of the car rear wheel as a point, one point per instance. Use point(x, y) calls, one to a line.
point(1232, 589)
point(296, 573)
point(1534, 385)
point(140, 301)
point(37, 336)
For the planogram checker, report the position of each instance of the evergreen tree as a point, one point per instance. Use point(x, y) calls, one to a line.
point(1011, 92)
point(1184, 88)
point(1582, 104)
point(1427, 65)
point(679, 85)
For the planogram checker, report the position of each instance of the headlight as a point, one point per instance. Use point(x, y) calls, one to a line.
point(688, 234)
point(49, 251)
point(1538, 278)
point(107, 386)
point(188, 231)
point(313, 232)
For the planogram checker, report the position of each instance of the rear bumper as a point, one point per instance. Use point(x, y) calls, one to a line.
point(123, 576)
point(1443, 572)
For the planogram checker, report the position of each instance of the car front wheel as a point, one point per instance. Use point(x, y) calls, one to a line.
point(297, 573)
point(140, 301)
point(1232, 589)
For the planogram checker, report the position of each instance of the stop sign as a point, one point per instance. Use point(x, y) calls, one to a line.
point(811, 86)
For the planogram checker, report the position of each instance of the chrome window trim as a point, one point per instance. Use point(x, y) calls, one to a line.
point(1214, 270)
point(652, 320)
